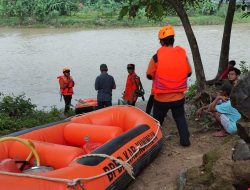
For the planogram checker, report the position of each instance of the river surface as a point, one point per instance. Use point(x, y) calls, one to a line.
point(31, 59)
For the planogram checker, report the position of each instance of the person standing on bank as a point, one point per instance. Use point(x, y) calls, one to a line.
point(170, 68)
point(104, 84)
point(66, 83)
point(132, 85)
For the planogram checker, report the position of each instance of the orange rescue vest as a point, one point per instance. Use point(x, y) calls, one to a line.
point(171, 71)
point(69, 89)
point(131, 87)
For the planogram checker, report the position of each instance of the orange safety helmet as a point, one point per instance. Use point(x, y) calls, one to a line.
point(166, 31)
point(66, 69)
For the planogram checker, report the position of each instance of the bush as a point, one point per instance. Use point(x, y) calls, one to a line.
point(192, 91)
point(17, 113)
point(243, 67)
point(16, 106)
point(37, 9)
point(206, 7)
point(222, 12)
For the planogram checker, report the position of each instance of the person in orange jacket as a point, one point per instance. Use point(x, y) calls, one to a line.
point(132, 85)
point(66, 83)
point(169, 69)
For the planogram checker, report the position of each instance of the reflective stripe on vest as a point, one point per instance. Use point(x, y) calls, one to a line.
point(171, 71)
point(66, 91)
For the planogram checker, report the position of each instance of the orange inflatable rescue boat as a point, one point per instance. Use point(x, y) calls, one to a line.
point(86, 105)
point(101, 150)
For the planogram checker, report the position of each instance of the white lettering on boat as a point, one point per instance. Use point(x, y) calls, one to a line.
point(125, 155)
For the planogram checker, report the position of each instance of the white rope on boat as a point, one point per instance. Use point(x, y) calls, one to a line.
point(74, 182)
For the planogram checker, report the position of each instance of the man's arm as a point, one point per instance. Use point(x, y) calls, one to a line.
point(114, 85)
point(151, 68)
point(97, 83)
point(200, 110)
point(212, 106)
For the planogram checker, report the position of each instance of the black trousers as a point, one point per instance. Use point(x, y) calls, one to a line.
point(132, 103)
point(104, 104)
point(67, 100)
point(150, 104)
point(178, 112)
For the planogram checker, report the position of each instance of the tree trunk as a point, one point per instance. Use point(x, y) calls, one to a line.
point(199, 71)
point(225, 46)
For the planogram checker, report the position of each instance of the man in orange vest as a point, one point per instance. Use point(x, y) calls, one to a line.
point(132, 85)
point(66, 83)
point(169, 68)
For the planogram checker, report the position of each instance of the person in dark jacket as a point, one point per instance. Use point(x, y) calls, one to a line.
point(104, 84)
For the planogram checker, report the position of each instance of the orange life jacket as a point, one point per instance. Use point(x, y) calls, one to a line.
point(131, 87)
point(69, 89)
point(172, 70)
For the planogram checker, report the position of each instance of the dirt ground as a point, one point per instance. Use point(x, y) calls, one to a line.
point(163, 172)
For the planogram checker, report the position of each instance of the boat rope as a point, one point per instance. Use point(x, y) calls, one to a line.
point(121, 163)
point(73, 183)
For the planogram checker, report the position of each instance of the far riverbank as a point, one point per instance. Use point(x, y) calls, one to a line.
point(80, 21)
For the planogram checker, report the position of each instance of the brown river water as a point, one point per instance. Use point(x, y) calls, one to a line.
point(31, 59)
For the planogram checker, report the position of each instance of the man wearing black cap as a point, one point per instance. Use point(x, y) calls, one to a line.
point(104, 84)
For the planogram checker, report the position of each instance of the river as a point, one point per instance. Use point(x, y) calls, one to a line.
point(31, 59)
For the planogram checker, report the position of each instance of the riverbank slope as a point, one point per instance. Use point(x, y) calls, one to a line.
point(163, 172)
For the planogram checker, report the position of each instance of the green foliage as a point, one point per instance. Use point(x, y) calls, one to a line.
point(192, 91)
point(245, 15)
point(206, 7)
point(222, 12)
point(156, 10)
point(107, 13)
point(16, 106)
point(39, 10)
point(244, 68)
point(123, 12)
point(17, 112)
point(101, 8)
point(23, 8)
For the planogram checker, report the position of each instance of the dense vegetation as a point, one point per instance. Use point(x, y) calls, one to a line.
point(38, 10)
point(17, 113)
point(90, 13)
